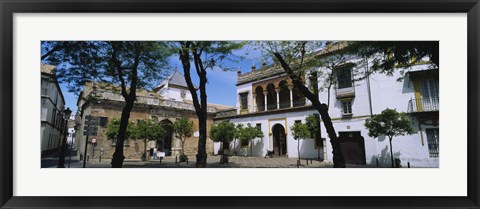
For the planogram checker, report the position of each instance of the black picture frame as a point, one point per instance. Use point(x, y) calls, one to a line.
point(10, 7)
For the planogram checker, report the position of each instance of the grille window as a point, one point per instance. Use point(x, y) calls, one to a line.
point(433, 142)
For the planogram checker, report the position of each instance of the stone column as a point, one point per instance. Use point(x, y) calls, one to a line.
point(277, 90)
point(255, 106)
point(265, 93)
point(239, 105)
point(290, 87)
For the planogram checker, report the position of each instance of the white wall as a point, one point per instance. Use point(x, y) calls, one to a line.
point(175, 94)
point(241, 89)
point(386, 92)
point(260, 146)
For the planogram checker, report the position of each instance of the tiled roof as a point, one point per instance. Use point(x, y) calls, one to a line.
point(176, 79)
point(332, 48)
point(217, 106)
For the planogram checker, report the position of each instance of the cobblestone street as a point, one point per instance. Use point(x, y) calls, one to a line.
point(212, 162)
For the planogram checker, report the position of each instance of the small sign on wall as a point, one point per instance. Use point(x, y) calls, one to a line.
point(196, 134)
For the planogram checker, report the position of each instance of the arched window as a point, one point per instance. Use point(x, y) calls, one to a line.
point(284, 95)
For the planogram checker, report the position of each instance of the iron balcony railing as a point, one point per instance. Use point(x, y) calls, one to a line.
point(423, 105)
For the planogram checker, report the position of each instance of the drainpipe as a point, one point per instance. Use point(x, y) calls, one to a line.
point(368, 87)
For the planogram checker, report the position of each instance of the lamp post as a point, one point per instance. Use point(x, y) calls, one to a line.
point(61, 158)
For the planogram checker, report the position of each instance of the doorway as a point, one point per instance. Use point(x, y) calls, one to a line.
point(166, 144)
point(279, 140)
point(353, 147)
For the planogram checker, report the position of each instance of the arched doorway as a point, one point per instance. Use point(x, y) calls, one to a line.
point(166, 144)
point(279, 140)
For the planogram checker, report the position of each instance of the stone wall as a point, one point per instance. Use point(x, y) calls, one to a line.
point(133, 149)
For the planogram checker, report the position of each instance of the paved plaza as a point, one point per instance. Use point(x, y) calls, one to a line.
point(212, 162)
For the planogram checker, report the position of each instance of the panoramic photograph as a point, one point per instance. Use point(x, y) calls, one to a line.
point(239, 104)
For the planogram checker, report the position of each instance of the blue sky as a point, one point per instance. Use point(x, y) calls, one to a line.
point(221, 88)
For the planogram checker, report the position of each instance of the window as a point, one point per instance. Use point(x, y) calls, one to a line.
point(429, 94)
point(54, 114)
point(244, 101)
point(103, 121)
point(347, 107)
point(344, 77)
point(433, 143)
point(259, 126)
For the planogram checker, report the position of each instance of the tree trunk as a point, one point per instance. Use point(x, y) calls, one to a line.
point(298, 148)
point(117, 159)
point(338, 160)
point(183, 146)
point(145, 149)
point(200, 106)
point(234, 147)
point(202, 141)
point(391, 152)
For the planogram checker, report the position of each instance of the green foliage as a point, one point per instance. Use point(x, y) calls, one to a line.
point(223, 132)
point(113, 127)
point(313, 124)
point(388, 55)
point(247, 134)
point(389, 123)
point(300, 131)
point(79, 62)
point(148, 130)
point(183, 158)
point(183, 128)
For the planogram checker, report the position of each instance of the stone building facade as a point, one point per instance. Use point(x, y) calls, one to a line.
point(167, 103)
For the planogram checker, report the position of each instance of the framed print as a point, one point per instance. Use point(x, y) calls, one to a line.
point(265, 104)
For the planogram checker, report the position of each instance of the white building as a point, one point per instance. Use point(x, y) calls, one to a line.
point(52, 108)
point(351, 103)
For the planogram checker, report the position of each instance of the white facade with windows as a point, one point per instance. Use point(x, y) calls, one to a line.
point(52, 107)
point(268, 100)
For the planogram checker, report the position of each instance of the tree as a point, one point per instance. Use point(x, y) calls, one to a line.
point(223, 132)
point(128, 64)
point(388, 55)
point(297, 58)
point(183, 128)
point(300, 131)
point(148, 130)
point(205, 55)
point(247, 134)
point(113, 127)
point(389, 123)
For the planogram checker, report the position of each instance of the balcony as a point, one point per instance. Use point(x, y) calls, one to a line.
point(345, 92)
point(423, 105)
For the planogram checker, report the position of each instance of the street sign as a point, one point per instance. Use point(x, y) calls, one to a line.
point(90, 122)
point(89, 133)
point(90, 128)
point(89, 117)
